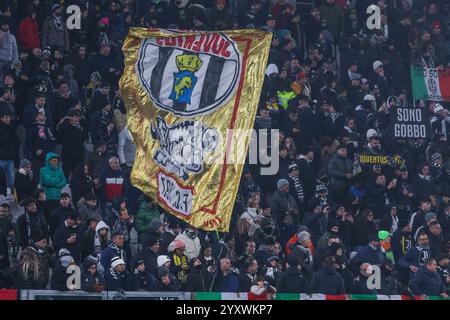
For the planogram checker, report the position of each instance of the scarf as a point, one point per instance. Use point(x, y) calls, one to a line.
point(28, 225)
point(57, 21)
point(426, 178)
point(179, 262)
point(298, 187)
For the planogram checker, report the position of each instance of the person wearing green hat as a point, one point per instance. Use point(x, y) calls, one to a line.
point(385, 244)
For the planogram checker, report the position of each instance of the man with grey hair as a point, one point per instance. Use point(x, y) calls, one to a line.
point(302, 251)
point(112, 180)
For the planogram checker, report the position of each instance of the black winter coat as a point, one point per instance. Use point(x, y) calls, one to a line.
point(38, 225)
point(198, 281)
point(9, 142)
point(24, 186)
point(72, 139)
point(59, 279)
point(327, 281)
point(292, 281)
point(60, 237)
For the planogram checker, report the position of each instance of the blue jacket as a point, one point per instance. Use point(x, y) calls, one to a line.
point(427, 283)
point(110, 252)
point(116, 281)
point(229, 283)
point(414, 257)
point(366, 255)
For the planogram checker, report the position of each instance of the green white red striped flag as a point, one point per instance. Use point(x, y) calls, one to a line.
point(304, 296)
point(430, 83)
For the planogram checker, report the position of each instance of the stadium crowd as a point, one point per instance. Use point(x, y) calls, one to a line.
point(321, 225)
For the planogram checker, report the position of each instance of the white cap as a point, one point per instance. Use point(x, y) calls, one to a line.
point(438, 108)
point(376, 64)
point(371, 133)
point(116, 261)
point(162, 260)
point(369, 97)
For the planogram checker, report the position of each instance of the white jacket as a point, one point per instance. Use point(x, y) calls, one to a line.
point(193, 247)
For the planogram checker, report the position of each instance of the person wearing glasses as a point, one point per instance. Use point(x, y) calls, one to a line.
point(416, 256)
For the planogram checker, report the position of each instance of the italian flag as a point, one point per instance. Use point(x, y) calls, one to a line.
point(430, 83)
point(302, 296)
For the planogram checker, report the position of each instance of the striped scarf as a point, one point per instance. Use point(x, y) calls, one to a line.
point(298, 187)
point(179, 262)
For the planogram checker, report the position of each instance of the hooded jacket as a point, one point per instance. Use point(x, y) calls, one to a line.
point(52, 179)
point(92, 243)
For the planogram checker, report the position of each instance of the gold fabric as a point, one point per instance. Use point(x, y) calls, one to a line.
point(214, 188)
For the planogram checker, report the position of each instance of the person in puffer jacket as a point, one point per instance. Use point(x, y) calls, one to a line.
point(52, 178)
point(8, 46)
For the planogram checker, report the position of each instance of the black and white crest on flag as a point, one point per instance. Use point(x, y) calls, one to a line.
point(188, 82)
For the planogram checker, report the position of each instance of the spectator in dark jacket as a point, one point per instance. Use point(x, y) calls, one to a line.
point(64, 102)
point(377, 195)
point(40, 141)
point(140, 279)
point(166, 282)
point(340, 170)
point(69, 235)
point(360, 285)
point(54, 30)
point(72, 137)
point(365, 228)
point(427, 281)
point(226, 280)
point(423, 183)
point(116, 277)
point(247, 274)
point(9, 142)
point(199, 279)
point(371, 254)
point(29, 115)
point(81, 183)
point(316, 220)
point(149, 254)
point(282, 203)
point(91, 278)
point(292, 280)
point(328, 281)
point(59, 275)
point(415, 257)
point(30, 224)
point(436, 239)
point(23, 182)
point(115, 248)
point(57, 216)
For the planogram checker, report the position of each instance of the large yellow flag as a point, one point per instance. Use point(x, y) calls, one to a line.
point(191, 99)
